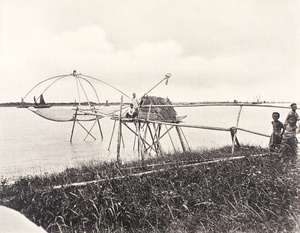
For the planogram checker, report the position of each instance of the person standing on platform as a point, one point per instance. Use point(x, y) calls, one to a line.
point(135, 103)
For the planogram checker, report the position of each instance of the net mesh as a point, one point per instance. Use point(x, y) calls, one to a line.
point(63, 114)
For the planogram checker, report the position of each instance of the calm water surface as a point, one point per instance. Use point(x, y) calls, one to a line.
point(31, 145)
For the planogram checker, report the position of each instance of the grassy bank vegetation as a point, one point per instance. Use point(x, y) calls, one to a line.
point(251, 194)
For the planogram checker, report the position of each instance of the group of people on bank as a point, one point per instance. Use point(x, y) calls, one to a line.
point(285, 133)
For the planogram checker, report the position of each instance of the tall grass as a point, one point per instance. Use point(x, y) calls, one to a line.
point(251, 194)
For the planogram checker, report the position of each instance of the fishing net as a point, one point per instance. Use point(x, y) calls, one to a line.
point(63, 114)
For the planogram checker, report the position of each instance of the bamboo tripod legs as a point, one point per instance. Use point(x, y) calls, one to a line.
point(180, 138)
point(75, 120)
point(148, 137)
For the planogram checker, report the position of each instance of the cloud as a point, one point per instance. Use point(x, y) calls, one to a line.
point(85, 40)
point(232, 51)
point(158, 51)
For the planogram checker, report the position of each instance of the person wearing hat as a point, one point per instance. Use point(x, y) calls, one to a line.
point(292, 112)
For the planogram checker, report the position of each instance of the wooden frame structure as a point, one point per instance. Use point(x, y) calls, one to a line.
point(148, 135)
point(150, 132)
point(75, 120)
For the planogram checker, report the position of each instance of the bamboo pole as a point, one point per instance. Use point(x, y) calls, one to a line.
point(170, 138)
point(159, 144)
point(74, 118)
point(217, 160)
point(112, 134)
point(167, 76)
point(189, 126)
point(90, 130)
point(186, 141)
point(140, 145)
point(58, 77)
point(79, 100)
point(135, 133)
point(100, 128)
point(143, 128)
point(119, 132)
point(123, 141)
point(84, 93)
point(208, 127)
point(248, 131)
point(85, 129)
point(232, 131)
point(143, 146)
point(166, 132)
point(156, 138)
point(138, 136)
point(235, 132)
point(218, 105)
point(153, 140)
point(145, 138)
point(148, 116)
point(180, 138)
point(106, 84)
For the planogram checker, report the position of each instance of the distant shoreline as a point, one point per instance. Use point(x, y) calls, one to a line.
point(24, 105)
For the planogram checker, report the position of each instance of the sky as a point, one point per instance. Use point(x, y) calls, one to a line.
point(215, 50)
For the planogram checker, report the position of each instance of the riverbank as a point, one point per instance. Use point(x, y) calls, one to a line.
point(252, 193)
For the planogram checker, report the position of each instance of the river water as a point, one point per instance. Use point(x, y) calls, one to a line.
point(31, 145)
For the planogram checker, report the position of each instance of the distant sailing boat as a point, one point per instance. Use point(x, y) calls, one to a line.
point(42, 103)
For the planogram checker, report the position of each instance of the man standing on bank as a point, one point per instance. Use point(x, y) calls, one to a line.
point(292, 112)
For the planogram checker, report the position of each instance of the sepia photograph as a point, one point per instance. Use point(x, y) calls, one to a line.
point(149, 116)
